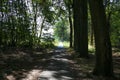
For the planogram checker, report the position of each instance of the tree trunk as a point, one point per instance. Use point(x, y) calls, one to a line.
point(92, 36)
point(80, 27)
point(103, 66)
point(41, 28)
point(71, 27)
point(1, 23)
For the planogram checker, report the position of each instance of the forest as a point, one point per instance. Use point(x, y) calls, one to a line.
point(59, 39)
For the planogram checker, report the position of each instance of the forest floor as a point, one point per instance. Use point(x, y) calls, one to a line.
point(54, 64)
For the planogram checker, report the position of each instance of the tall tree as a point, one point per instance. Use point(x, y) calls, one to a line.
point(68, 4)
point(103, 52)
point(80, 27)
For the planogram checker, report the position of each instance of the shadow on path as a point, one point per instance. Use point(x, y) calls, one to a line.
point(59, 67)
point(54, 65)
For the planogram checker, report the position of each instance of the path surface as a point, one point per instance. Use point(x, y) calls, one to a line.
point(57, 67)
point(56, 64)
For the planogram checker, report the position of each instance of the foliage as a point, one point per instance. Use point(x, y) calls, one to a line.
point(115, 29)
point(15, 27)
point(19, 22)
point(61, 31)
point(115, 24)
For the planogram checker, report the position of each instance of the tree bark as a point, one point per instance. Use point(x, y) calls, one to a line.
point(92, 36)
point(80, 27)
point(41, 28)
point(71, 26)
point(103, 66)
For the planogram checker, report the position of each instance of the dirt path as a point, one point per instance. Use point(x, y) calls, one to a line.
point(59, 67)
point(55, 65)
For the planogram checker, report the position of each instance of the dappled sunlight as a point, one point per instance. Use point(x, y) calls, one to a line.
point(50, 66)
point(32, 75)
point(54, 75)
point(10, 77)
point(47, 75)
point(57, 64)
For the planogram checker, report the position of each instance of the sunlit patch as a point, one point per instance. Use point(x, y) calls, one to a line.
point(66, 78)
point(59, 58)
point(56, 56)
point(10, 77)
point(62, 59)
point(63, 71)
point(48, 75)
point(57, 51)
point(66, 60)
point(32, 75)
point(60, 45)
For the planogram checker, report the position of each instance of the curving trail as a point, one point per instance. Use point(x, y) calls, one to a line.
point(57, 66)
point(54, 65)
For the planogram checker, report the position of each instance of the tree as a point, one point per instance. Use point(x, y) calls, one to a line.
point(80, 27)
point(68, 4)
point(14, 21)
point(61, 30)
point(103, 52)
point(112, 12)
